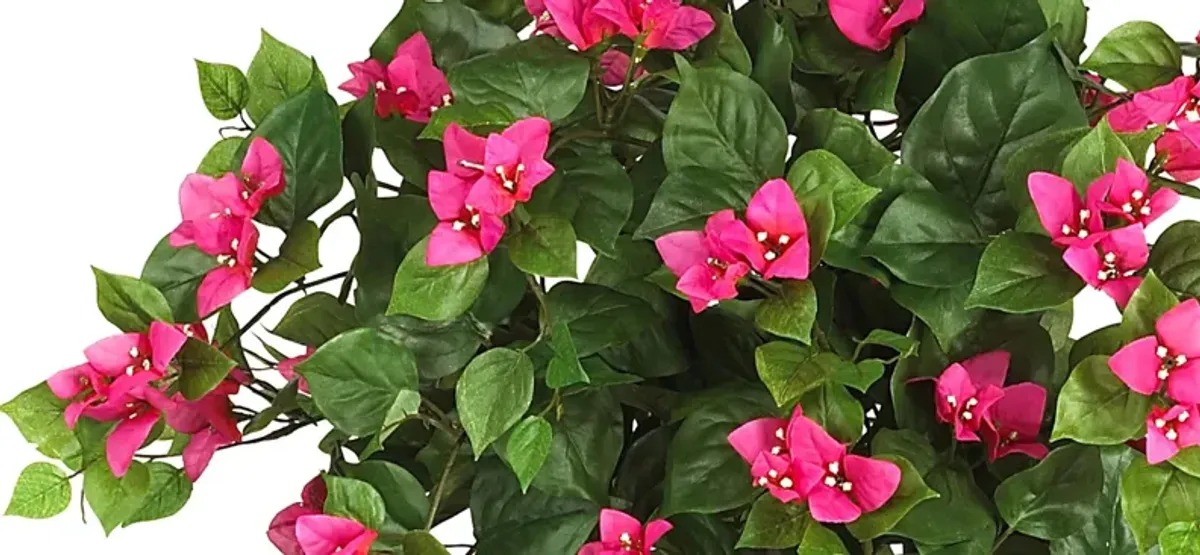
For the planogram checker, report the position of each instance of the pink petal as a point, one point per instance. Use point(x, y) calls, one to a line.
point(953, 382)
point(1021, 409)
point(988, 368)
point(73, 412)
point(165, 342)
point(1161, 202)
point(615, 65)
point(264, 167)
point(199, 452)
point(567, 15)
point(488, 195)
point(415, 50)
point(1183, 155)
point(1121, 290)
point(655, 530)
point(1137, 365)
point(697, 284)
point(1158, 448)
point(1128, 118)
point(364, 76)
point(1161, 104)
point(1032, 450)
point(315, 492)
point(531, 135)
point(1129, 244)
point(227, 191)
point(1085, 262)
point(111, 356)
point(682, 250)
point(756, 436)
point(617, 12)
point(448, 247)
point(794, 263)
point(1179, 329)
point(735, 237)
point(195, 201)
point(220, 287)
point(809, 442)
point(774, 209)
point(613, 523)
point(491, 230)
point(593, 548)
point(875, 481)
point(461, 145)
point(68, 383)
point(325, 535)
point(1056, 201)
point(126, 439)
point(862, 22)
point(832, 506)
point(282, 531)
point(907, 12)
point(1183, 384)
point(447, 195)
point(682, 28)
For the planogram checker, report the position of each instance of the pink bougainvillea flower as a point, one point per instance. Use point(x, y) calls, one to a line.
point(212, 211)
point(659, 24)
point(1112, 263)
point(141, 405)
point(543, 21)
point(762, 443)
point(615, 65)
point(464, 152)
point(962, 396)
point(1013, 423)
point(1157, 106)
point(1067, 218)
point(578, 22)
point(287, 368)
point(83, 386)
point(708, 271)
point(411, 85)
point(282, 531)
point(464, 233)
point(840, 487)
point(621, 534)
point(1129, 196)
point(1170, 357)
point(209, 421)
point(262, 174)
point(774, 238)
point(871, 23)
point(234, 275)
point(1169, 431)
point(1182, 150)
point(514, 163)
point(329, 535)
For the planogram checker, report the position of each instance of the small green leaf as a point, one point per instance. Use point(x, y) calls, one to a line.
point(1021, 273)
point(545, 247)
point(927, 239)
point(911, 492)
point(527, 448)
point(403, 495)
point(846, 138)
point(1097, 408)
point(356, 500)
point(223, 88)
point(436, 293)
point(278, 72)
point(221, 158)
point(902, 344)
point(201, 368)
point(481, 119)
point(114, 500)
point(1139, 55)
point(493, 393)
point(1071, 18)
point(129, 303)
point(1153, 497)
point(1096, 154)
point(1180, 538)
point(835, 409)
point(789, 370)
point(908, 444)
point(169, 491)
point(791, 313)
point(38, 415)
point(531, 78)
point(298, 256)
point(1150, 301)
point(597, 316)
point(1175, 258)
point(422, 543)
point(315, 319)
point(177, 273)
point(564, 369)
point(775, 525)
point(819, 173)
point(876, 89)
point(42, 491)
point(1055, 498)
point(285, 401)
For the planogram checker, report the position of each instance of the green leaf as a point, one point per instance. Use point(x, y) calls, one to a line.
point(493, 393)
point(436, 293)
point(1175, 258)
point(1180, 538)
point(876, 89)
point(1094, 155)
point(298, 256)
point(1096, 407)
point(845, 137)
point(285, 401)
point(177, 274)
point(597, 316)
point(972, 526)
point(354, 499)
point(564, 369)
point(908, 444)
point(457, 32)
point(1043, 153)
point(833, 407)
point(819, 540)
point(129, 303)
point(775, 525)
point(277, 73)
point(721, 141)
point(307, 132)
point(940, 309)
point(1188, 460)
point(389, 229)
point(482, 119)
point(403, 495)
point(359, 140)
point(820, 172)
point(1022, 273)
point(42, 491)
point(38, 415)
point(545, 247)
point(724, 47)
point(221, 158)
point(1139, 55)
point(927, 239)
point(441, 348)
point(508, 522)
point(114, 500)
point(605, 199)
point(791, 313)
point(1149, 302)
point(531, 78)
point(586, 445)
point(315, 319)
point(789, 370)
point(358, 377)
point(201, 368)
point(1071, 18)
point(904, 345)
point(170, 489)
point(223, 88)
point(984, 111)
point(1152, 497)
point(1106, 532)
point(422, 543)
point(527, 448)
point(704, 474)
point(772, 54)
point(911, 492)
point(1055, 498)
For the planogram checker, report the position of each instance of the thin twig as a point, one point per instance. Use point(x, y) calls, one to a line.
point(441, 485)
point(262, 313)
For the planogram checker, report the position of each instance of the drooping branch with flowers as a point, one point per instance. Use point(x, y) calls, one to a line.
point(810, 327)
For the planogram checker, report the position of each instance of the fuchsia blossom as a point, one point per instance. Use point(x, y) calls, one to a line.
point(209, 421)
point(774, 238)
point(1129, 196)
point(1158, 106)
point(330, 535)
point(708, 270)
point(1014, 422)
point(1067, 218)
point(665, 24)
point(262, 174)
point(213, 210)
point(117, 384)
point(577, 21)
point(411, 85)
point(1170, 358)
point(464, 233)
point(966, 391)
point(282, 531)
point(762, 443)
point(1111, 263)
point(621, 534)
point(514, 163)
point(1182, 150)
point(235, 273)
point(871, 23)
point(1169, 431)
point(287, 368)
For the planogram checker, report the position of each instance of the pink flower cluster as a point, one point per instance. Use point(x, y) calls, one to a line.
point(1176, 104)
point(304, 528)
point(218, 218)
point(872, 23)
point(773, 241)
point(125, 380)
point(621, 534)
point(1167, 362)
point(797, 461)
point(410, 85)
point(484, 180)
point(971, 396)
point(1107, 258)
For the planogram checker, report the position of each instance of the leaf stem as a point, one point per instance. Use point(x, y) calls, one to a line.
point(441, 485)
point(1003, 537)
point(543, 312)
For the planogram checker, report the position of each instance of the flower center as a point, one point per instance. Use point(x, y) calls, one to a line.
point(780, 480)
point(1137, 205)
point(470, 218)
point(1080, 230)
point(835, 479)
point(1169, 362)
point(1168, 427)
point(774, 245)
point(1110, 270)
point(629, 543)
point(139, 360)
point(965, 412)
point(510, 182)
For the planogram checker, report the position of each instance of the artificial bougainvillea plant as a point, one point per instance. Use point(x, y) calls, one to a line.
point(810, 327)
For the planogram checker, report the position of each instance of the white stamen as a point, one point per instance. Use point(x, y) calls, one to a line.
point(1172, 435)
point(520, 168)
point(950, 400)
point(245, 195)
point(1083, 233)
point(776, 450)
point(1084, 214)
point(784, 239)
point(770, 256)
point(972, 402)
point(786, 483)
point(133, 352)
point(1162, 352)
point(1164, 374)
point(834, 467)
point(1110, 257)
point(847, 486)
point(1012, 436)
point(762, 236)
point(1145, 211)
point(1102, 275)
point(146, 364)
point(712, 303)
point(1158, 422)
point(830, 481)
point(1181, 360)
point(402, 90)
point(1183, 416)
point(475, 220)
point(772, 474)
point(779, 434)
point(1066, 230)
point(130, 370)
point(233, 244)
point(966, 415)
point(625, 538)
point(1127, 208)
point(458, 226)
point(762, 482)
point(1138, 195)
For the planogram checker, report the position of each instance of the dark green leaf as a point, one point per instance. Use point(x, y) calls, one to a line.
point(564, 369)
point(876, 89)
point(605, 199)
point(129, 303)
point(791, 313)
point(911, 492)
point(1152, 497)
point(820, 172)
point(504, 291)
point(358, 377)
point(508, 522)
point(1180, 538)
point(223, 88)
point(114, 500)
point(585, 448)
point(481, 119)
point(545, 247)
point(42, 491)
point(389, 228)
point(298, 256)
point(441, 348)
point(940, 309)
point(847, 138)
point(1106, 533)
point(1138, 55)
point(1098, 408)
point(201, 368)
point(170, 489)
point(457, 32)
point(1175, 258)
point(772, 54)
point(908, 444)
point(531, 78)
point(422, 543)
point(493, 393)
point(724, 47)
point(597, 316)
point(359, 139)
point(1149, 302)
point(928, 239)
point(177, 273)
point(1022, 273)
point(972, 526)
point(403, 495)
point(527, 448)
point(1071, 18)
point(1055, 498)
point(436, 293)
point(902, 344)
point(356, 500)
point(775, 525)
point(1094, 155)
point(278, 73)
point(789, 370)
point(315, 319)
point(833, 407)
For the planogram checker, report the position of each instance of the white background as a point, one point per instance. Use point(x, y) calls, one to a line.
point(101, 119)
